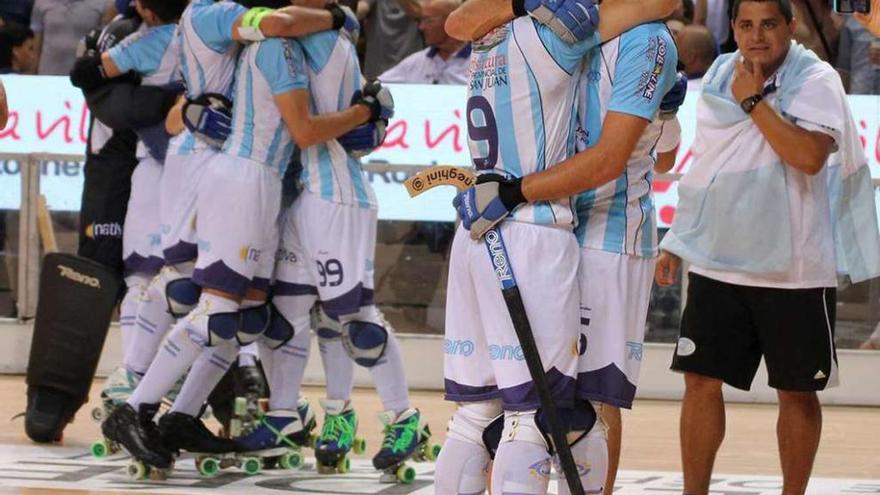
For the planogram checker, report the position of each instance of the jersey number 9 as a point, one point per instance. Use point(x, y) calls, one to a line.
point(487, 132)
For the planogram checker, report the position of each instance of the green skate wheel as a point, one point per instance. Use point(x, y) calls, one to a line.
point(433, 452)
point(291, 460)
point(252, 465)
point(406, 474)
point(240, 408)
point(208, 466)
point(344, 465)
point(137, 470)
point(101, 449)
point(359, 446)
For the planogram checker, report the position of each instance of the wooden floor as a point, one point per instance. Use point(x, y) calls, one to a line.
point(850, 441)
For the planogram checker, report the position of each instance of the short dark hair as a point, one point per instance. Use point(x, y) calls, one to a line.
point(784, 7)
point(12, 36)
point(272, 4)
point(167, 11)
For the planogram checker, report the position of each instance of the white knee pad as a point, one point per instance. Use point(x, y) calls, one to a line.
point(520, 426)
point(471, 419)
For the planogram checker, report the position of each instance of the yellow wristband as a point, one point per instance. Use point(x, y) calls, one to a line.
point(253, 16)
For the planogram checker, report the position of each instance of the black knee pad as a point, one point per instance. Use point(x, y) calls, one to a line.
point(365, 342)
point(254, 322)
point(182, 295)
point(279, 331)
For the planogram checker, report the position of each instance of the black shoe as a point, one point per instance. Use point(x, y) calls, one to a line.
point(138, 434)
point(48, 413)
point(181, 431)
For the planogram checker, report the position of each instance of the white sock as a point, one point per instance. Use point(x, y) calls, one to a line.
point(288, 362)
point(176, 355)
point(247, 355)
point(389, 375)
point(136, 285)
point(338, 369)
point(205, 374)
point(152, 322)
point(461, 468)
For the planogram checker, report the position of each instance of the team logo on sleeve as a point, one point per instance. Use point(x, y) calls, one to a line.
point(289, 58)
point(656, 52)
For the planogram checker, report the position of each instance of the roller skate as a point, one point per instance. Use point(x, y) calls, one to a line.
point(337, 438)
point(303, 438)
point(406, 437)
point(117, 389)
point(273, 440)
point(184, 433)
point(139, 436)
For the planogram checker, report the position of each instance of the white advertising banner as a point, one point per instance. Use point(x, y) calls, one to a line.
point(47, 115)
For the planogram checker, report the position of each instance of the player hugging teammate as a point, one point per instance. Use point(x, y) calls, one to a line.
point(261, 80)
point(564, 149)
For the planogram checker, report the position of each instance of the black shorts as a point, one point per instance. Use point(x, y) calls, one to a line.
point(727, 328)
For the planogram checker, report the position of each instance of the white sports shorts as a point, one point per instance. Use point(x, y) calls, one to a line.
point(483, 359)
point(141, 247)
point(178, 195)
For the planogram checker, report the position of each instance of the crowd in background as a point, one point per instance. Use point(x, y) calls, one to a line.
point(40, 37)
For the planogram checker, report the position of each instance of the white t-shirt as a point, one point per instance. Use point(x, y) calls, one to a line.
point(428, 67)
point(813, 262)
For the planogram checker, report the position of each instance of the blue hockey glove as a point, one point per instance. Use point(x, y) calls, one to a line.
point(488, 202)
point(209, 118)
point(571, 20)
point(674, 98)
point(378, 99)
point(362, 140)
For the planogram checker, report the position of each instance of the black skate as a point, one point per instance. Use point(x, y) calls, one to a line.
point(181, 431)
point(137, 434)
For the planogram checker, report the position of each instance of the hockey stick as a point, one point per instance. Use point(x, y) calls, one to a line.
point(462, 179)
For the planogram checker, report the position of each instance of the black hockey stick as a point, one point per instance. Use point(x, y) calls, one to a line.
point(462, 179)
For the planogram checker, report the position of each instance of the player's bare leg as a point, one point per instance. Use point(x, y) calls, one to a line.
point(701, 430)
point(614, 434)
point(798, 429)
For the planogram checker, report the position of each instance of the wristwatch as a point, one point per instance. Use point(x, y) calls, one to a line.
point(749, 103)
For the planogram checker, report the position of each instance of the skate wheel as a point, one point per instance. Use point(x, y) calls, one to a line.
point(406, 474)
point(291, 460)
point(98, 414)
point(137, 470)
point(344, 465)
point(208, 466)
point(240, 407)
point(252, 465)
point(324, 469)
point(359, 446)
point(101, 449)
point(433, 452)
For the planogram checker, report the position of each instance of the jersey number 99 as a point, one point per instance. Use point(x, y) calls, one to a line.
point(330, 273)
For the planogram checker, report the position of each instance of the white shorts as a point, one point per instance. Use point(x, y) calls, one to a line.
point(141, 247)
point(615, 294)
point(483, 359)
point(237, 222)
point(327, 250)
point(178, 194)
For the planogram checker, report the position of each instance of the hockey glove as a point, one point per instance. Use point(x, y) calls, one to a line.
point(209, 118)
point(571, 20)
point(345, 21)
point(378, 99)
point(88, 72)
point(363, 140)
point(490, 201)
point(675, 97)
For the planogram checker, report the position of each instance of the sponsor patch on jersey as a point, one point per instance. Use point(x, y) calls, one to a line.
point(651, 79)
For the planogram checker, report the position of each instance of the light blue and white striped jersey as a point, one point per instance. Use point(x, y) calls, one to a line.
point(208, 56)
point(265, 69)
point(334, 75)
point(629, 74)
point(153, 53)
point(522, 95)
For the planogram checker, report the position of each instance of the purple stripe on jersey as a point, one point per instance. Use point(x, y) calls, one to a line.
point(458, 392)
point(180, 253)
point(288, 289)
point(220, 277)
point(348, 303)
point(139, 264)
point(608, 385)
point(524, 397)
